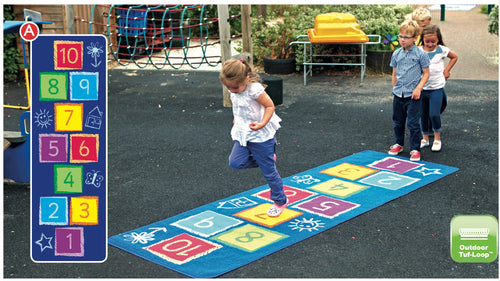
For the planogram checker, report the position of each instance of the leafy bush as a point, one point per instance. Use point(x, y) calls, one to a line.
point(272, 39)
point(493, 24)
point(11, 62)
point(297, 19)
point(211, 12)
point(380, 20)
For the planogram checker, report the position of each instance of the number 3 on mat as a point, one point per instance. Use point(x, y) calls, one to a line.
point(84, 210)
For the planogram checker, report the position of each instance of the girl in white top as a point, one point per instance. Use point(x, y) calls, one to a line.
point(433, 93)
point(254, 128)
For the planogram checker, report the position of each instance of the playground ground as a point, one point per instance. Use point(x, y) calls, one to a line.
point(168, 143)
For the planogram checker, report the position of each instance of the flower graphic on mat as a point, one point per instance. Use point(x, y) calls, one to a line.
point(144, 236)
point(95, 52)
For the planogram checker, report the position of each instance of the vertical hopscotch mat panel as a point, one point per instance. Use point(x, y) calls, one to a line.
point(221, 236)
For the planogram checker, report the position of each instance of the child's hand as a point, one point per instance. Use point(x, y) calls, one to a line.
point(256, 126)
point(446, 74)
point(416, 94)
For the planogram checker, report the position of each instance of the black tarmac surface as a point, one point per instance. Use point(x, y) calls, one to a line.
point(168, 144)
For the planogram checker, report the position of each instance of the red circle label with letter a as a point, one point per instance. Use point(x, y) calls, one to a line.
point(29, 31)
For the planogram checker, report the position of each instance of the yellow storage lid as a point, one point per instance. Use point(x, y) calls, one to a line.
point(336, 27)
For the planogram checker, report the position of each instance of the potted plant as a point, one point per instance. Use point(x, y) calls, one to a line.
point(270, 42)
point(378, 58)
point(271, 39)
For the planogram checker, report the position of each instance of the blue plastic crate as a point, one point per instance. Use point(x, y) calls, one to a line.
point(132, 22)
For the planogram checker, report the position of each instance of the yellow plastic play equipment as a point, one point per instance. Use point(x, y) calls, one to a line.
point(336, 28)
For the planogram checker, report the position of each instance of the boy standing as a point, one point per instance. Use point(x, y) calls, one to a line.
point(410, 72)
point(423, 17)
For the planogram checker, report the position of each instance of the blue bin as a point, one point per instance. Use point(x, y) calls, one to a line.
point(16, 157)
point(132, 24)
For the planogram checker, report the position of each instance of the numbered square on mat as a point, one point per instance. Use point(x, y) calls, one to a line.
point(53, 148)
point(53, 86)
point(84, 148)
point(249, 237)
point(68, 55)
point(84, 85)
point(349, 171)
point(395, 165)
point(68, 179)
point(207, 223)
point(53, 211)
point(326, 206)
point(182, 248)
point(389, 180)
point(258, 214)
point(69, 241)
point(68, 116)
point(84, 210)
point(339, 188)
point(292, 194)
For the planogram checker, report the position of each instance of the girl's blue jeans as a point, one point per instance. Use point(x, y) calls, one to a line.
point(431, 110)
point(260, 155)
point(407, 110)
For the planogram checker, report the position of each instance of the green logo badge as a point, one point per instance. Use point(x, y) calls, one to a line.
point(474, 238)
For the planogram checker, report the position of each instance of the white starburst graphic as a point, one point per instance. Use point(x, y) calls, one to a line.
point(43, 118)
point(306, 224)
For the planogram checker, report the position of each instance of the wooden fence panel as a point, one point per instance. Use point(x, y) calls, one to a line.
point(63, 21)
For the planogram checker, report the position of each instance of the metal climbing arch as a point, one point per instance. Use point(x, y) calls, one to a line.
point(162, 35)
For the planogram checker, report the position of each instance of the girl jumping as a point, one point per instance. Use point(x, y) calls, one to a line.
point(254, 128)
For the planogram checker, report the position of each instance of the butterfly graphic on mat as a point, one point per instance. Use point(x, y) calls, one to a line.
point(94, 179)
point(305, 179)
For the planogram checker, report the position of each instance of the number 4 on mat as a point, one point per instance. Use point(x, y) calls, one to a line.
point(68, 179)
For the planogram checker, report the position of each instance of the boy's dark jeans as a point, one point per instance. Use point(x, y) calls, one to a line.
point(407, 109)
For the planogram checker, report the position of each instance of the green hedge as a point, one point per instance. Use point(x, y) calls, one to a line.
point(11, 62)
point(373, 19)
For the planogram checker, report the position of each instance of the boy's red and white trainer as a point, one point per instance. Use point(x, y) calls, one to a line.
point(395, 149)
point(415, 155)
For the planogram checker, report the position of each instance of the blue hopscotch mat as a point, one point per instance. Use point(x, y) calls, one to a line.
point(221, 236)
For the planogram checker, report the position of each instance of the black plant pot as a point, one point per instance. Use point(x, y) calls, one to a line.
point(279, 66)
point(379, 61)
point(274, 88)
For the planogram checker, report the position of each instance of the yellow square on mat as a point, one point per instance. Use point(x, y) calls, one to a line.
point(349, 171)
point(249, 237)
point(259, 215)
point(339, 188)
point(69, 116)
point(84, 210)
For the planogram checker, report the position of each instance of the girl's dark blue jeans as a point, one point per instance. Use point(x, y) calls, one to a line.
point(431, 110)
point(260, 155)
point(407, 110)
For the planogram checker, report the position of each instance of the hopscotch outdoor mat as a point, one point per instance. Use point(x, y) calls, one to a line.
point(221, 236)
